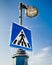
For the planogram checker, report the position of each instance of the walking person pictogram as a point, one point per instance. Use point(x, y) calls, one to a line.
point(22, 41)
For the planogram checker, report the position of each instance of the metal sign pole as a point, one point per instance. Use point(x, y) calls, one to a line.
point(20, 17)
point(21, 55)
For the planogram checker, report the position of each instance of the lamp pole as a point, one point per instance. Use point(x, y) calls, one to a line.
point(21, 55)
point(20, 12)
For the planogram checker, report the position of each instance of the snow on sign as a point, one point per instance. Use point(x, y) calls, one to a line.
point(20, 37)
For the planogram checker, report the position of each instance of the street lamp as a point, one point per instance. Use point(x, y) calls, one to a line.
point(21, 56)
point(29, 11)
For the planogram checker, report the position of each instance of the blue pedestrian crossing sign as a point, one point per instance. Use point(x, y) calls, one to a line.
point(20, 37)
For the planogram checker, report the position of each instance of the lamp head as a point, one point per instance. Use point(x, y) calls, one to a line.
point(31, 11)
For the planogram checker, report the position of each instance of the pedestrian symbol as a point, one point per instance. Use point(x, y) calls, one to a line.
point(21, 40)
point(21, 37)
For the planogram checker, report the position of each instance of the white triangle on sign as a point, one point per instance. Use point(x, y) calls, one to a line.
point(21, 42)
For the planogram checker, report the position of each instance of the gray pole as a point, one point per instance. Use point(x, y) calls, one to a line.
point(20, 17)
point(20, 55)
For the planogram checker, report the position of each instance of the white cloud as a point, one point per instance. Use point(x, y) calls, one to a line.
point(42, 58)
point(46, 49)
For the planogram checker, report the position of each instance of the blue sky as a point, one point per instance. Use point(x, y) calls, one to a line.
point(41, 28)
